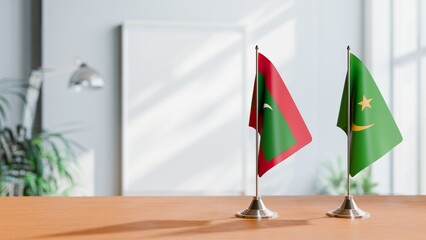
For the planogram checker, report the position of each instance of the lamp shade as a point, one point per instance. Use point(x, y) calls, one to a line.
point(85, 77)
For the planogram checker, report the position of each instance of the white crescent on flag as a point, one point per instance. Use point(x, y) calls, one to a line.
point(265, 105)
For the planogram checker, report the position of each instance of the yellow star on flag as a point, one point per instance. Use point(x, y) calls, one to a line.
point(365, 102)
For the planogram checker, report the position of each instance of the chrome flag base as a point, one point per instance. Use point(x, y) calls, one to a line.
point(348, 209)
point(257, 209)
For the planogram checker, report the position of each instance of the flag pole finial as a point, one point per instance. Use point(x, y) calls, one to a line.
point(348, 48)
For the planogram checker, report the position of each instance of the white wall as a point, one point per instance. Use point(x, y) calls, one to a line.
point(305, 39)
point(394, 50)
point(15, 48)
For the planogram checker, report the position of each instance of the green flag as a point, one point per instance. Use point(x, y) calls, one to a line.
point(373, 130)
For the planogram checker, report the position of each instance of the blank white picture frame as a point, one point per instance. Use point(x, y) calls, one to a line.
point(183, 108)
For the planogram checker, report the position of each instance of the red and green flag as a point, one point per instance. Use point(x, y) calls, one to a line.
point(280, 125)
point(373, 131)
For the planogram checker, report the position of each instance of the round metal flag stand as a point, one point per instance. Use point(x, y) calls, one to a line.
point(257, 209)
point(348, 209)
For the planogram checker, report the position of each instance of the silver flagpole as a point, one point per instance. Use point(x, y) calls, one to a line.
point(348, 209)
point(257, 121)
point(257, 208)
point(348, 123)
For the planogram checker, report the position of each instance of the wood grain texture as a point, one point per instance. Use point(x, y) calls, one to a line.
point(300, 217)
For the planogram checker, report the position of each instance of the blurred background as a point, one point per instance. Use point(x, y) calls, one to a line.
point(172, 116)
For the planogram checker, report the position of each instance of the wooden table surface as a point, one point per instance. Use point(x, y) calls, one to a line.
point(300, 217)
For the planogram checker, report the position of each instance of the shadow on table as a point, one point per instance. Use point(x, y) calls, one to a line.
point(132, 226)
point(237, 225)
point(195, 226)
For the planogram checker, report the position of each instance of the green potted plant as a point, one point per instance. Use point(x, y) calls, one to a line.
point(32, 166)
point(333, 180)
